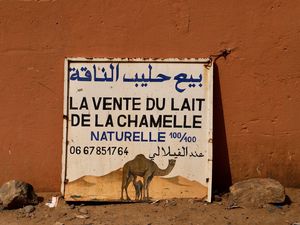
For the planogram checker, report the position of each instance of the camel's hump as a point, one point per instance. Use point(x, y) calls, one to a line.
point(140, 156)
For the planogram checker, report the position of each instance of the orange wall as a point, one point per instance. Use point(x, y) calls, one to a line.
point(257, 97)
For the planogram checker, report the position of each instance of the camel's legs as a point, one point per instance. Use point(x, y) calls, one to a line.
point(125, 182)
point(147, 179)
point(129, 179)
point(139, 191)
point(144, 187)
point(137, 188)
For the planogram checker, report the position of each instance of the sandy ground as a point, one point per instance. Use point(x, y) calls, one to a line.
point(176, 211)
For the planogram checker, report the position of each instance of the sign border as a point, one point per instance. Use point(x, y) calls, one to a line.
point(208, 63)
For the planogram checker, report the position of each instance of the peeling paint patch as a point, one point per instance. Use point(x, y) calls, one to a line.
point(181, 18)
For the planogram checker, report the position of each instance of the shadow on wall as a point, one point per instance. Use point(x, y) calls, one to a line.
point(221, 168)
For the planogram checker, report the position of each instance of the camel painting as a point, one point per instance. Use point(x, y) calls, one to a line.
point(145, 168)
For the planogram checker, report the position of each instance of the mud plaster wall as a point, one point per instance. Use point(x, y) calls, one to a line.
point(257, 125)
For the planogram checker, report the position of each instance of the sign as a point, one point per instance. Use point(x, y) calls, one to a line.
point(137, 129)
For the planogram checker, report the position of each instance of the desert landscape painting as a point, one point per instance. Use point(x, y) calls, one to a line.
point(109, 186)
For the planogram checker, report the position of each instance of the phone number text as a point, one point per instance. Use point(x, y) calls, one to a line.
point(98, 150)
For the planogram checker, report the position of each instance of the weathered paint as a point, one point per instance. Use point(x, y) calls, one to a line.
point(94, 161)
point(256, 89)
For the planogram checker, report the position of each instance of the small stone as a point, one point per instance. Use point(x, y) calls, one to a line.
point(69, 218)
point(83, 210)
point(170, 203)
point(217, 198)
point(232, 205)
point(191, 201)
point(61, 215)
point(72, 206)
point(58, 223)
point(21, 215)
point(29, 209)
point(82, 216)
point(173, 203)
point(270, 208)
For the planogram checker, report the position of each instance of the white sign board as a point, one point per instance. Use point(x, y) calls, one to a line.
point(137, 129)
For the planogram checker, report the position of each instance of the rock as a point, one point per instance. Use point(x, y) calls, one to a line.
point(17, 194)
point(58, 223)
point(69, 218)
point(72, 206)
point(173, 203)
point(270, 208)
point(170, 203)
point(83, 210)
point(21, 215)
point(256, 192)
point(61, 215)
point(232, 205)
point(191, 201)
point(31, 216)
point(29, 209)
point(217, 198)
point(82, 216)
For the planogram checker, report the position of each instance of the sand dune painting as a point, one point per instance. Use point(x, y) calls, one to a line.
point(139, 179)
point(108, 188)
